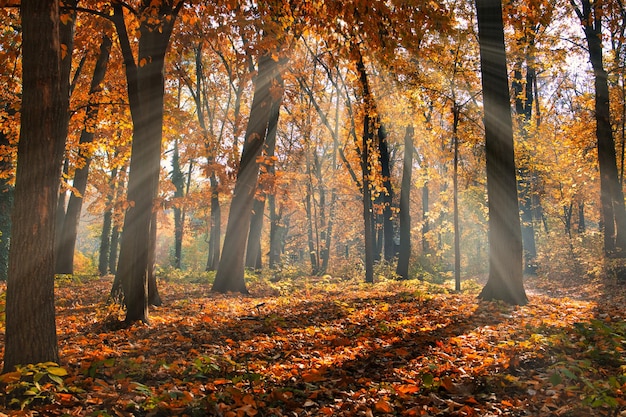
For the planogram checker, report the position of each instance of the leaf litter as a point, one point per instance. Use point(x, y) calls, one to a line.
point(338, 349)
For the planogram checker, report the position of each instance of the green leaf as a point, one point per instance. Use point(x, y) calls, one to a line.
point(555, 378)
point(427, 380)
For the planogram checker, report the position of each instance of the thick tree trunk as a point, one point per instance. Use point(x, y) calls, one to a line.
point(611, 194)
point(230, 273)
point(505, 241)
point(402, 269)
point(67, 240)
point(30, 335)
point(146, 89)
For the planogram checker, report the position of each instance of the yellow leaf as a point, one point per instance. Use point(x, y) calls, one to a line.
point(56, 370)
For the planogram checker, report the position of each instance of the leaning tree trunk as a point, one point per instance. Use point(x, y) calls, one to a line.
point(30, 335)
point(505, 238)
point(402, 269)
point(67, 239)
point(230, 273)
point(256, 225)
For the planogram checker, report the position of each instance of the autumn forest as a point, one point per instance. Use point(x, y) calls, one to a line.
point(312, 207)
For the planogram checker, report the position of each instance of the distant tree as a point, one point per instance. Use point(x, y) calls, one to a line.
point(69, 231)
point(505, 240)
point(404, 255)
point(30, 335)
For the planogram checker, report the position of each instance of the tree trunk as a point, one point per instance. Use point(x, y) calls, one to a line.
point(425, 219)
point(107, 223)
point(154, 299)
point(505, 238)
point(230, 273)
point(404, 256)
point(455, 180)
point(581, 217)
point(253, 251)
point(611, 194)
point(67, 240)
point(30, 335)
point(145, 90)
point(523, 94)
point(6, 205)
point(179, 184)
point(216, 227)
point(387, 197)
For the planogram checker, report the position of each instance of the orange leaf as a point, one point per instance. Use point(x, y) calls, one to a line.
point(383, 406)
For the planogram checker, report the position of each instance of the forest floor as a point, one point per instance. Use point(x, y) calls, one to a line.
point(325, 347)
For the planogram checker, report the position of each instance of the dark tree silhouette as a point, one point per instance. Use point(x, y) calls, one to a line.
point(505, 237)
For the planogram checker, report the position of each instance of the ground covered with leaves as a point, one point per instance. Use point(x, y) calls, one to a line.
point(319, 347)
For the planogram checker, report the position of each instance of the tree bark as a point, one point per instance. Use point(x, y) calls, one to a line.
point(611, 194)
point(456, 112)
point(107, 223)
point(505, 241)
point(230, 273)
point(387, 197)
point(6, 205)
point(30, 335)
point(402, 269)
point(145, 90)
point(179, 184)
point(523, 94)
point(67, 240)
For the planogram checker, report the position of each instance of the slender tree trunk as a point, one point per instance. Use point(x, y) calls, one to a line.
point(505, 237)
point(455, 179)
point(404, 256)
point(581, 217)
point(253, 251)
point(523, 94)
point(367, 201)
point(107, 223)
point(387, 197)
point(215, 233)
point(230, 273)
point(425, 219)
point(115, 243)
point(30, 335)
point(179, 184)
point(105, 243)
point(67, 242)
